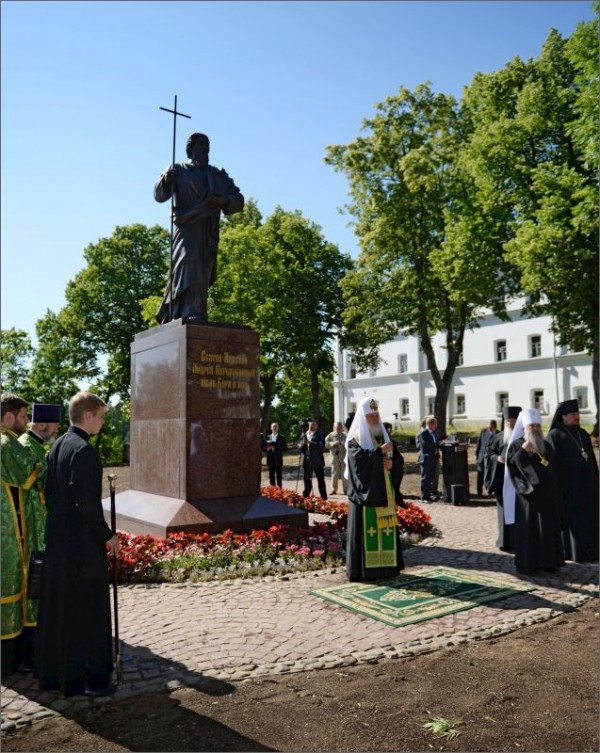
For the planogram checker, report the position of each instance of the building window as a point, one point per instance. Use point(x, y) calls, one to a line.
point(581, 395)
point(430, 406)
point(500, 350)
point(351, 369)
point(535, 346)
point(501, 402)
point(403, 363)
point(404, 407)
point(461, 404)
point(461, 359)
point(537, 400)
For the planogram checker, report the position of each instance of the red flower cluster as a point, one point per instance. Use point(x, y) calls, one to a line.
point(140, 554)
point(141, 557)
point(412, 519)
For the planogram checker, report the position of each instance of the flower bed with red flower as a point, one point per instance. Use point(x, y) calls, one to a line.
point(278, 549)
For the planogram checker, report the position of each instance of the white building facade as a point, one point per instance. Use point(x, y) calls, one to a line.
point(503, 363)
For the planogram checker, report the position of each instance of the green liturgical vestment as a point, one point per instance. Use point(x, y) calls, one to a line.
point(23, 521)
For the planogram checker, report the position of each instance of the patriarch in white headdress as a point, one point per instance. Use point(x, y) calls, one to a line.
point(527, 418)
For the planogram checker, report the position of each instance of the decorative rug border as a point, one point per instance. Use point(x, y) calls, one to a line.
point(357, 596)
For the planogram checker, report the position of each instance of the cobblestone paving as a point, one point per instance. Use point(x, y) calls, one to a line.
point(224, 631)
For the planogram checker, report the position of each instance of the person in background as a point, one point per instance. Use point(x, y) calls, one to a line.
point(429, 459)
point(374, 473)
point(312, 451)
point(275, 445)
point(335, 442)
point(45, 418)
point(73, 646)
point(23, 524)
point(485, 437)
point(577, 471)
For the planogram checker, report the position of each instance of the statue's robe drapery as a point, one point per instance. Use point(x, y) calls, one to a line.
point(578, 492)
point(196, 235)
point(23, 521)
point(372, 552)
point(537, 539)
point(74, 647)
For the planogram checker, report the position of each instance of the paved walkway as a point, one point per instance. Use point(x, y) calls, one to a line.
point(210, 634)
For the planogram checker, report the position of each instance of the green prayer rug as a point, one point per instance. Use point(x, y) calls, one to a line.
point(421, 595)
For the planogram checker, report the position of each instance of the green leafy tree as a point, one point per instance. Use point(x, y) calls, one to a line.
point(103, 311)
point(311, 274)
point(276, 278)
point(534, 158)
point(16, 352)
point(57, 366)
point(294, 400)
point(423, 267)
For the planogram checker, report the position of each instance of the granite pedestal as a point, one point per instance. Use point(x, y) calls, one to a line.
point(195, 456)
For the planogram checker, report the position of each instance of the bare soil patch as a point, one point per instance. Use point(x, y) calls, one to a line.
point(533, 690)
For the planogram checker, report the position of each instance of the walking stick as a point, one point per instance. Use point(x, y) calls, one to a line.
point(113, 525)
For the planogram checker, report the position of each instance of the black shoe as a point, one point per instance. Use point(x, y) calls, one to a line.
point(100, 692)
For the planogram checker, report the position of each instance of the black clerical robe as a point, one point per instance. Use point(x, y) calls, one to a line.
point(371, 554)
point(537, 539)
point(74, 649)
point(494, 481)
point(577, 473)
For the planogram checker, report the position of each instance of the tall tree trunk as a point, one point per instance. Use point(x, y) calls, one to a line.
point(595, 375)
point(268, 383)
point(454, 345)
point(314, 392)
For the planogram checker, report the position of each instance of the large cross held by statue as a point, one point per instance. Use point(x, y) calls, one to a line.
point(182, 115)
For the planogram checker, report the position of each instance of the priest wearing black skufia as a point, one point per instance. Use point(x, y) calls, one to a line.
point(74, 651)
point(495, 457)
point(577, 471)
point(374, 470)
point(532, 472)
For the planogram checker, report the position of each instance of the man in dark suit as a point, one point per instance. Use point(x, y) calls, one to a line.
point(312, 450)
point(275, 445)
point(429, 457)
point(485, 437)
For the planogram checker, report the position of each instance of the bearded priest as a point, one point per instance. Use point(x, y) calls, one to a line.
point(374, 470)
point(577, 483)
point(531, 468)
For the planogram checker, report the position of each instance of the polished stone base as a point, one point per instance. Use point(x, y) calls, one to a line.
point(141, 513)
point(195, 454)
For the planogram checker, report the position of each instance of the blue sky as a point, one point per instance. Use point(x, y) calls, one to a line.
point(271, 83)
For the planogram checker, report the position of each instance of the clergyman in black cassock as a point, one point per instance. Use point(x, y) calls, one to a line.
point(495, 458)
point(74, 650)
point(373, 548)
point(537, 539)
point(577, 471)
